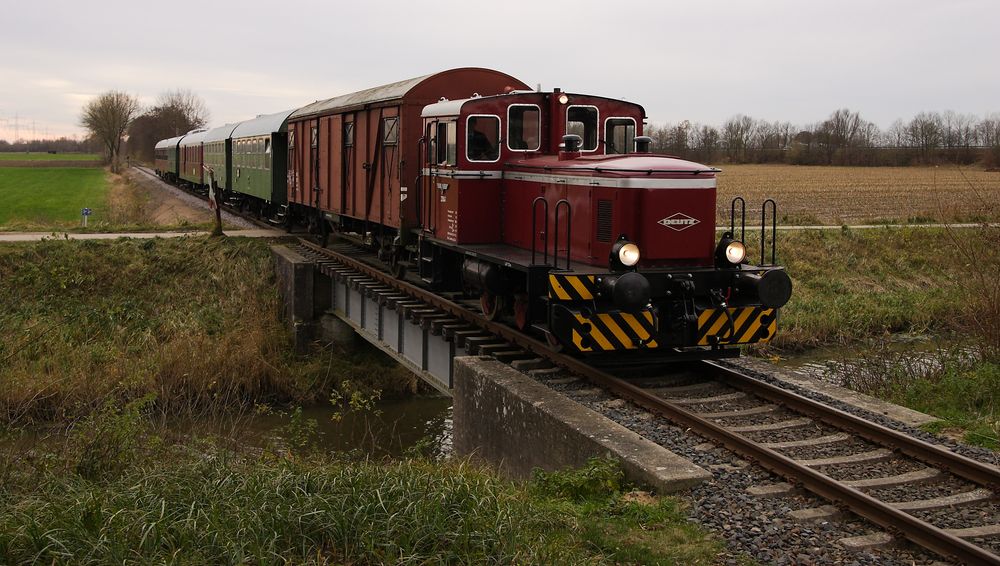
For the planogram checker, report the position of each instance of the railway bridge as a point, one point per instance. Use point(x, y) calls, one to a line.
point(507, 411)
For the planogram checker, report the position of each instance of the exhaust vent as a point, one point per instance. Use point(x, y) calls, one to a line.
point(604, 221)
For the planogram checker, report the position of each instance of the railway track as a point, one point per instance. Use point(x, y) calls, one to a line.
point(738, 411)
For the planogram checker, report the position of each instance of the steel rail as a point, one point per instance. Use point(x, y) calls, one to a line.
point(977, 472)
point(893, 520)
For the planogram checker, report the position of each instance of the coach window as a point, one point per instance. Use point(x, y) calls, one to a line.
point(447, 143)
point(523, 127)
point(390, 131)
point(482, 138)
point(267, 153)
point(582, 121)
point(619, 135)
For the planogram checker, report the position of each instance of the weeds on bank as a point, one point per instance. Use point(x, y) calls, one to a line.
point(956, 384)
point(193, 321)
point(197, 503)
point(851, 285)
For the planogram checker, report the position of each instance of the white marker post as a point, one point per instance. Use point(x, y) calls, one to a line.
point(85, 213)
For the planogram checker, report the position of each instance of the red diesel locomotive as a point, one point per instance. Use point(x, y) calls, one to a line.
point(548, 206)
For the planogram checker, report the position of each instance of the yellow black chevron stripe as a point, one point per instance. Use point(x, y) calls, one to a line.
point(615, 330)
point(572, 287)
point(744, 325)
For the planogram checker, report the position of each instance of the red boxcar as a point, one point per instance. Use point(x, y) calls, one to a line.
point(356, 158)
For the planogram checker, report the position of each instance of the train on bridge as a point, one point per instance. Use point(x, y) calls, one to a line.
point(547, 206)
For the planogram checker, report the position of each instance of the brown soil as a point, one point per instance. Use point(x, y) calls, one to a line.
point(134, 192)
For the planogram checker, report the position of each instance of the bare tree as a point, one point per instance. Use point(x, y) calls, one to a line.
point(988, 133)
point(924, 132)
point(736, 135)
point(107, 118)
point(175, 112)
point(187, 105)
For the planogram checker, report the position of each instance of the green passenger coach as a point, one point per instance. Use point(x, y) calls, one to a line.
point(166, 158)
point(259, 155)
point(218, 155)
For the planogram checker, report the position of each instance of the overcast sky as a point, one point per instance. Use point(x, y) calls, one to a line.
point(706, 60)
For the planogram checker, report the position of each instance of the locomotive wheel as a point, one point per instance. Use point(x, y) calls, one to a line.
point(521, 303)
point(492, 305)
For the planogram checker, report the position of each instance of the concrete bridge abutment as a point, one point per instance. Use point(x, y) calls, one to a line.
point(502, 416)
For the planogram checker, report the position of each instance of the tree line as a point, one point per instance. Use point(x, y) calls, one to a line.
point(117, 121)
point(60, 145)
point(845, 138)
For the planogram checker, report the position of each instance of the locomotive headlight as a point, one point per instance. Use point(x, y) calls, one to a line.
point(736, 252)
point(628, 254)
point(624, 254)
point(729, 252)
point(563, 98)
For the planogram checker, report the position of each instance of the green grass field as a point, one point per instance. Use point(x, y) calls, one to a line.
point(39, 156)
point(50, 196)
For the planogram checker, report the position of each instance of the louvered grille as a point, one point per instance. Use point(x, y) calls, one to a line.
point(604, 221)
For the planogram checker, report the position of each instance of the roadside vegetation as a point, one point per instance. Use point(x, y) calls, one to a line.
point(112, 491)
point(855, 285)
point(861, 286)
point(191, 321)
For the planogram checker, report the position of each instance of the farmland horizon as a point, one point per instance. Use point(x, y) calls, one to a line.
point(704, 62)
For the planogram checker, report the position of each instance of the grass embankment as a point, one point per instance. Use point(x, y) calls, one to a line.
point(201, 504)
point(50, 197)
point(193, 321)
point(853, 285)
point(857, 286)
point(861, 195)
point(107, 335)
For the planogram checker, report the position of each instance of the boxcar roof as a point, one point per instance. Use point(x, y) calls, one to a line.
point(220, 133)
point(172, 142)
point(193, 137)
point(391, 91)
point(263, 125)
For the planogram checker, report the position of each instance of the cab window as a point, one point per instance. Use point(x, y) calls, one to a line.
point(619, 135)
point(582, 121)
point(482, 138)
point(523, 127)
point(447, 143)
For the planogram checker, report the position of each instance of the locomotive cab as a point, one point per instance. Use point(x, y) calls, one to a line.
point(550, 208)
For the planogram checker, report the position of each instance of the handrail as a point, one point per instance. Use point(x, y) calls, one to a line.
point(743, 218)
point(534, 229)
point(763, 230)
point(569, 232)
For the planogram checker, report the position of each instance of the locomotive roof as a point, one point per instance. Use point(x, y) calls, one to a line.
point(171, 142)
point(382, 93)
point(220, 133)
point(618, 164)
point(262, 125)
